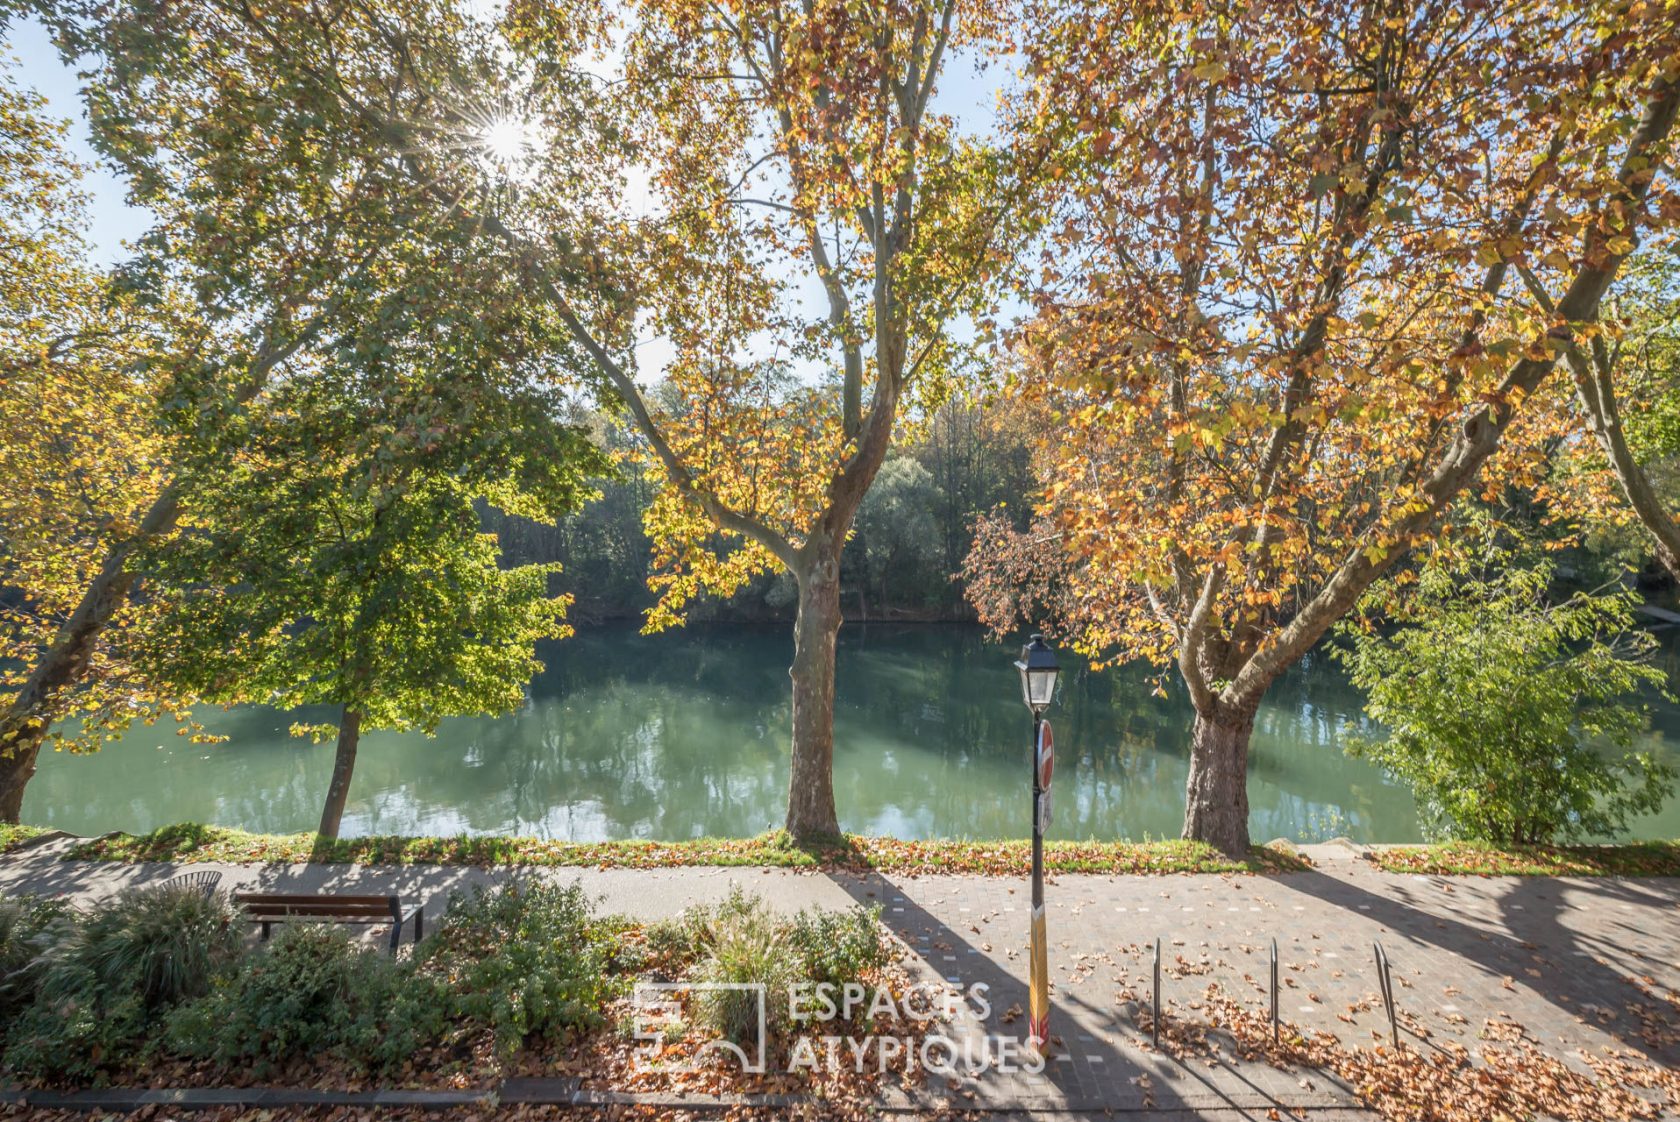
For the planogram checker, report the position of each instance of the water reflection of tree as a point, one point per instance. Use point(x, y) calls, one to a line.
point(686, 733)
point(661, 738)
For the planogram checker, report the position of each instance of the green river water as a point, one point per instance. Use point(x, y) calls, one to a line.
point(684, 735)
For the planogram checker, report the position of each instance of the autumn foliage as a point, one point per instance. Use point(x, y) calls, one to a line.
point(80, 454)
point(1273, 320)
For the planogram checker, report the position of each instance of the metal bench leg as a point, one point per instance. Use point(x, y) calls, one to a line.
point(265, 931)
point(419, 924)
point(396, 935)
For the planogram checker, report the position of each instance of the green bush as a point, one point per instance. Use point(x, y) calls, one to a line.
point(839, 947)
point(744, 943)
point(165, 943)
point(627, 952)
point(76, 1035)
point(669, 945)
point(104, 983)
point(312, 991)
point(1510, 716)
point(29, 927)
point(523, 959)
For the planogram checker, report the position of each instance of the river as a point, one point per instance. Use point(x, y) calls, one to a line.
point(684, 735)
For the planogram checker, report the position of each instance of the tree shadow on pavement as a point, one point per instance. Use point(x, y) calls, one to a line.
point(1581, 972)
point(1088, 1070)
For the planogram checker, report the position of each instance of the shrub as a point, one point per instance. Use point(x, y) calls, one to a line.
point(164, 943)
point(312, 991)
point(744, 944)
point(626, 945)
point(1502, 708)
point(103, 985)
point(670, 945)
point(839, 947)
point(524, 959)
point(29, 927)
point(74, 1034)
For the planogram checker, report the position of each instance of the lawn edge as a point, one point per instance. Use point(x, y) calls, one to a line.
point(1470, 859)
point(14, 837)
point(193, 843)
point(189, 843)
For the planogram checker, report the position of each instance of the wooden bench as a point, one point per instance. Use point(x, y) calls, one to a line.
point(269, 908)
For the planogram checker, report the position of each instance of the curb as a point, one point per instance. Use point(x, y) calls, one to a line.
point(566, 1093)
point(206, 1098)
point(532, 1092)
point(39, 840)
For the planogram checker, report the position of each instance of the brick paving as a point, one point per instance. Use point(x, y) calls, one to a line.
point(1581, 965)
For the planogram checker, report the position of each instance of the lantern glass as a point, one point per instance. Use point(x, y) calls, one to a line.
point(1038, 671)
point(1040, 688)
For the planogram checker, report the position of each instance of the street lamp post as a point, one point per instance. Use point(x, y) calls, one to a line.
point(1038, 671)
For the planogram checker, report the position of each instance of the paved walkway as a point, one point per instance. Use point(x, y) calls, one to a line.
point(1581, 965)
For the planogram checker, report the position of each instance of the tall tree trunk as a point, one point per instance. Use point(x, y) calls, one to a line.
point(344, 763)
point(1216, 796)
point(811, 782)
point(23, 728)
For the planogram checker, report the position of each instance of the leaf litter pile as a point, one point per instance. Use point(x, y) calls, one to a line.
point(1506, 1078)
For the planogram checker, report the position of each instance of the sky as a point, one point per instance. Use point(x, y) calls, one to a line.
point(966, 94)
point(37, 66)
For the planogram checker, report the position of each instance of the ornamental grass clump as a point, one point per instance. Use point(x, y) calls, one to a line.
point(108, 977)
point(742, 942)
point(524, 959)
point(311, 992)
point(166, 942)
point(29, 928)
point(750, 954)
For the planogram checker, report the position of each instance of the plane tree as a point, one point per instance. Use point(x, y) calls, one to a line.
point(1626, 388)
point(816, 230)
point(1277, 324)
point(331, 551)
point(273, 216)
point(760, 207)
point(79, 456)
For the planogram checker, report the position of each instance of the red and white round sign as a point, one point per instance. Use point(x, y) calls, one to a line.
point(1046, 755)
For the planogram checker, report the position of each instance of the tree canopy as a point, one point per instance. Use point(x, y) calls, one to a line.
point(1275, 327)
point(1511, 715)
point(81, 457)
point(1302, 278)
point(334, 555)
point(289, 229)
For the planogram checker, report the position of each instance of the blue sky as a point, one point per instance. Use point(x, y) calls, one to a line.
point(111, 219)
point(968, 95)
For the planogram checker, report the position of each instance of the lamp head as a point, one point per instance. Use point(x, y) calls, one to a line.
point(1038, 671)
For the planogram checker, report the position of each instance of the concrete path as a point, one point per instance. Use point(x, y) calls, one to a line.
point(1577, 966)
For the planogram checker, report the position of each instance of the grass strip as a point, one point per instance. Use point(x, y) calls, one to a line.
point(12, 836)
point(190, 842)
point(1629, 859)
